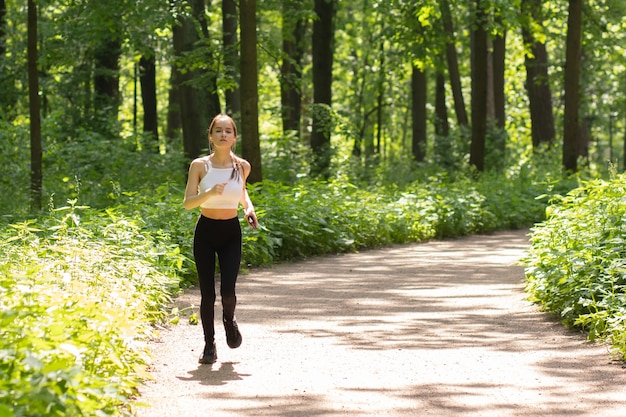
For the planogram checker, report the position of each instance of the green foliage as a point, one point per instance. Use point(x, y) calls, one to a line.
point(15, 173)
point(577, 264)
point(78, 291)
point(285, 157)
point(80, 286)
point(83, 164)
point(315, 217)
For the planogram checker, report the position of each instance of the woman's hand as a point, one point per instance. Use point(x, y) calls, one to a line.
point(251, 219)
point(217, 189)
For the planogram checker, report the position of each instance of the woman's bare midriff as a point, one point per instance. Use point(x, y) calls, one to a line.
point(219, 214)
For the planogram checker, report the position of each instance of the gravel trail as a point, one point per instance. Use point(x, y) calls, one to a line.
point(433, 329)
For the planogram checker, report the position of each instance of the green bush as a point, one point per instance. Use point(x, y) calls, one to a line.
point(577, 263)
point(78, 292)
point(83, 165)
point(314, 217)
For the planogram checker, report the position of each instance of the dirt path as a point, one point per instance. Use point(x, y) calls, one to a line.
point(434, 329)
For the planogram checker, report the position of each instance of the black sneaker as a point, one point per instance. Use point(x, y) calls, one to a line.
point(209, 355)
point(233, 337)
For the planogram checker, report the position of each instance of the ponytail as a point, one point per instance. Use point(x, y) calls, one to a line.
point(237, 167)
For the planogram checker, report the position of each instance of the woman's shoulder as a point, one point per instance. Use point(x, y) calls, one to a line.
point(242, 165)
point(246, 165)
point(202, 161)
point(240, 161)
point(198, 165)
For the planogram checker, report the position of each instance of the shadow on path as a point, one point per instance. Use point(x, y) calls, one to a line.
point(434, 329)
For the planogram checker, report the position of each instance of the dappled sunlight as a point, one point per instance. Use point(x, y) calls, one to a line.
point(441, 328)
point(371, 298)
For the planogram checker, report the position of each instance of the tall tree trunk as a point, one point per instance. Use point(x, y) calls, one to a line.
point(479, 88)
point(173, 104)
point(34, 106)
point(107, 76)
point(147, 78)
point(380, 98)
point(491, 112)
point(624, 145)
point(442, 126)
point(418, 95)
point(499, 103)
point(195, 111)
point(5, 99)
point(251, 149)
point(359, 82)
point(537, 79)
point(210, 90)
point(453, 65)
point(3, 27)
point(323, 49)
point(571, 123)
point(231, 58)
point(291, 69)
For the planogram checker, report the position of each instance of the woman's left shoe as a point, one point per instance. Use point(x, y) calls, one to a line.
point(233, 337)
point(209, 355)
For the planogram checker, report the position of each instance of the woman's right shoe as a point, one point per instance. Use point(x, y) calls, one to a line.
point(233, 336)
point(209, 355)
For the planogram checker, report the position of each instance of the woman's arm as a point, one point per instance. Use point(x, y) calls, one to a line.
point(245, 201)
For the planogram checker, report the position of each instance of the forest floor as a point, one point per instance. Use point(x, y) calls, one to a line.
point(434, 329)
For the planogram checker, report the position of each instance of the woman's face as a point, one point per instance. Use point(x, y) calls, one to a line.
point(223, 133)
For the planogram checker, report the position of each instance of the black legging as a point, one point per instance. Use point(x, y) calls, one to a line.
point(224, 238)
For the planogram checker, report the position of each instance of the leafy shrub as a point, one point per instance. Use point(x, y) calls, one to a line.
point(314, 217)
point(86, 165)
point(78, 291)
point(15, 173)
point(577, 263)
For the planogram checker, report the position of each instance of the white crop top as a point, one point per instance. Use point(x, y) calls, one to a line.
point(232, 192)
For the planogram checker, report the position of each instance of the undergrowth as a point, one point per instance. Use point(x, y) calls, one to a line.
point(78, 292)
point(81, 287)
point(576, 266)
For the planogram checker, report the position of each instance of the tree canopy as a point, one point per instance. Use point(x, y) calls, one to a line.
point(340, 87)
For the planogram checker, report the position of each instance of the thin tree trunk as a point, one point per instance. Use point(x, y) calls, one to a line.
point(194, 107)
point(499, 102)
point(624, 146)
point(147, 77)
point(479, 88)
point(251, 149)
point(3, 26)
point(231, 57)
point(491, 110)
point(36, 175)
point(173, 107)
point(453, 65)
point(442, 126)
point(106, 77)
point(358, 86)
point(537, 78)
point(7, 97)
point(418, 94)
point(322, 86)
point(291, 69)
point(571, 123)
point(212, 96)
point(380, 98)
